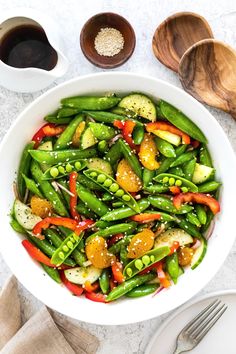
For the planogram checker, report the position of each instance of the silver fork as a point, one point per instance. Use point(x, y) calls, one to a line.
point(192, 334)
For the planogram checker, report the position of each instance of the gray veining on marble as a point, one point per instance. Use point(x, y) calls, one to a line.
point(144, 16)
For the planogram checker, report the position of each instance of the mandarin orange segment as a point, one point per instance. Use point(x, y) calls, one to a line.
point(97, 253)
point(126, 177)
point(77, 135)
point(140, 244)
point(148, 153)
point(41, 207)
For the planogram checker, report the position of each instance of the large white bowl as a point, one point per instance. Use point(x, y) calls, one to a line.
point(124, 311)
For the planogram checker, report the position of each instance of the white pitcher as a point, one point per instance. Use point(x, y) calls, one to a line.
point(31, 79)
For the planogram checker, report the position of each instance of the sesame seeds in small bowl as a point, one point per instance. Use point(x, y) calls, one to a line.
point(107, 40)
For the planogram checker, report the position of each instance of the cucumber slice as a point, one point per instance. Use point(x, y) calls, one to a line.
point(101, 165)
point(202, 173)
point(88, 139)
point(80, 275)
point(101, 131)
point(24, 215)
point(199, 253)
point(47, 146)
point(170, 137)
point(168, 237)
point(140, 104)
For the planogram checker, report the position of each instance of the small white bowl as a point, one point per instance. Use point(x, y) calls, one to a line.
point(124, 311)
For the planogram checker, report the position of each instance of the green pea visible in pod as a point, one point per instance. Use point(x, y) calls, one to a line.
point(168, 178)
point(63, 169)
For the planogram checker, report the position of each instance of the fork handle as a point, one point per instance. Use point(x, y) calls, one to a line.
point(177, 351)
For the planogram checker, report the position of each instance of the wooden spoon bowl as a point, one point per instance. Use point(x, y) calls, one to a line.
point(90, 31)
point(176, 34)
point(208, 72)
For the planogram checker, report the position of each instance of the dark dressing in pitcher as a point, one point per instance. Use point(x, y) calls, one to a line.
point(27, 46)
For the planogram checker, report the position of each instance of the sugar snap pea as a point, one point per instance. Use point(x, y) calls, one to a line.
point(65, 194)
point(165, 148)
point(111, 186)
point(201, 213)
point(103, 146)
point(113, 230)
point(138, 134)
point(67, 112)
point(124, 255)
point(16, 226)
point(104, 117)
point(101, 131)
point(104, 281)
point(93, 103)
point(55, 120)
point(210, 217)
point(65, 249)
point(181, 121)
point(91, 201)
point(129, 285)
point(208, 187)
point(103, 224)
point(84, 210)
point(47, 189)
point(131, 158)
point(156, 188)
point(122, 213)
point(185, 157)
point(137, 265)
point(116, 247)
point(165, 164)
point(142, 290)
point(65, 139)
point(178, 171)
point(163, 216)
point(114, 154)
point(52, 272)
point(188, 227)
point(164, 203)
point(63, 169)
point(88, 183)
point(193, 219)
point(54, 157)
point(189, 168)
point(24, 168)
point(147, 176)
point(53, 236)
point(32, 186)
point(172, 266)
point(169, 179)
point(124, 112)
point(205, 157)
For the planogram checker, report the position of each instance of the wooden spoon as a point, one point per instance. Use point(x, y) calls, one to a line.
point(208, 72)
point(176, 34)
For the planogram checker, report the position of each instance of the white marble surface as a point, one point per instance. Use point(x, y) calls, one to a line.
point(144, 16)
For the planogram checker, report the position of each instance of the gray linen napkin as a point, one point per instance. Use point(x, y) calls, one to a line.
point(44, 333)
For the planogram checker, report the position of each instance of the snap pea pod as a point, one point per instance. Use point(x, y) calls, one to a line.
point(62, 253)
point(103, 224)
point(47, 189)
point(124, 112)
point(169, 179)
point(24, 168)
point(104, 281)
point(114, 154)
point(67, 112)
point(104, 117)
point(16, 226)
point(55, 120)
point(193, 219)
point(176, 171)
point(159, 113)
point(93, 103)
point(54, 157)
point(147, 176)
point(124, 255)
point(165, 165)
point(129, 285)
point(163, 216)
point(53, 236)
point(208, 187)
point(52, 272)
point(110, 185)
point(48, 249)
point(103, 146)
point(65, 139)
point(185, 157)
point(156, 188)
point(165, 148)
point(142, 290)
point(66, 196)
point(205, 157)
point(210, 217)
point(172, 266)
point(107, 197)
point(117, 204)
point(201, 213)
point(116, 247)
point(32, 186)
point(86, 182)
point(131, 158)
point(91, 201)
point(189, 168)
point(83, 210)
point(164, 203)
point(181, 121)
point(113, 230)
point(64, 169)
point(122, 213)
point(141, 263)
point(101, 131)
point(138, 134)
point(188, 227)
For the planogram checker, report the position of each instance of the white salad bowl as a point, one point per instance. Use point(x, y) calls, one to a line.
point(126, 310)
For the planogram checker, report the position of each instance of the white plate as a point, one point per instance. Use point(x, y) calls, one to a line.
point(221, 338)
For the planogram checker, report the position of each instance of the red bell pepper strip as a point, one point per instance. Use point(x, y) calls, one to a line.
point(151, 127)
point(174, 247)
point(145, 217)
point(114, 239)
point(127, 128)
point(45, 223)
point(97, 297)
point(162, 276)
point(112, 284)
point(74, 288)
point(73, 199)
point(36, 254)
point(117, 269)
point(88, 287)
point(48, 129)
point(175, 189)
point(198, 198)
point(83, 225)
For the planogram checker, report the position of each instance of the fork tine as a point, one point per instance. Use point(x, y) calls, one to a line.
point(202, 334)
point(198, 318)
point(211, 314)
